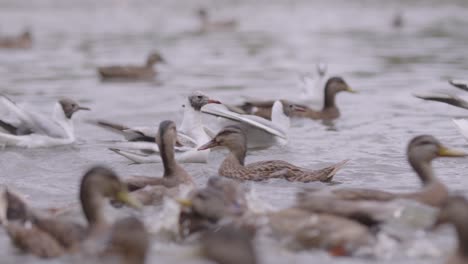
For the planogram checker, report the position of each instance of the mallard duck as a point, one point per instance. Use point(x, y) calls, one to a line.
point(23, 41)
point(23, 128)
point(233, 138)
point(174, 175)
point(261, 133)
point(221, 199)
point(305, 230)
point(455, 212)
point(129, 242)
point(329, 111)
point(229, 244)
point(420, 152)
point(191, 134)
point(206, 25)
point(48, 237)
point(132, 72)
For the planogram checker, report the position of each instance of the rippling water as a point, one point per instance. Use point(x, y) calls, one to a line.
point(276, 41)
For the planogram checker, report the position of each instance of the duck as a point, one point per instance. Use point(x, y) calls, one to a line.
point(303, 230)
point(229, 244)
point(234, 139)
point(27, 129)
point(129, 242)
point(206, 25)
point(261, 133)
point(329, 111)
point(48, 237)
point(140, 147)
point(447, 98)
point(22, 41)
point(132, 72)
point(421, 151)
point(455, 212)
point(149, 190)
point(222, 199)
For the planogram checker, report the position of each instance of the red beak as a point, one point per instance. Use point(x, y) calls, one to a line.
point(211, 101)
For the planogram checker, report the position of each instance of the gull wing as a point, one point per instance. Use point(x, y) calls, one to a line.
point(444, 98)
point(255, 121)
point(461, 84)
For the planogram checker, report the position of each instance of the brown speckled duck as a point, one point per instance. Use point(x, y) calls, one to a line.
point(174, 175)
point(329, 111)
point(23, 41)
point(421, 151)
point(455, 212)
point(132, 72)
point(48, 237)
point(304, 230)
point(234, 139)
point(221, 199)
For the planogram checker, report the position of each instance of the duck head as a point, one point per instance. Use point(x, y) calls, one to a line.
point(425, 148)
point(154, 58)
point(230, 137)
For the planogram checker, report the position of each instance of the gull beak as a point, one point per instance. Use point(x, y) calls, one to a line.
point(184, 202)
point(447, 152)
point(212, 101)
point(350, 90)
point(211, 144)
point(125, 198)
point(83, 108)
point(298, 108)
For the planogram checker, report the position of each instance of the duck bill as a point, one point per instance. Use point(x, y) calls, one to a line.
point(210, 144)
point(184, 202)
point(351, 90)
point(448, 152)
point(125, 198)
point(212, 101)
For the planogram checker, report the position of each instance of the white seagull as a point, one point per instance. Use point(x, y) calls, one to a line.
point(22, 128)
point(261, 133)
point(140, 145)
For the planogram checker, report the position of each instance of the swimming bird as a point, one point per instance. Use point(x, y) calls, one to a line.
point(22, 41)
point(420, 152)
point(132, 72)
point(207, 25)
point(47, 237)
point(261, 133)
point(455, 211)
point(220, 200)
point(141, 146)
point(173, 177)
point(129, 242)
point(329, 111)
point(447, 98)
point(234, 139)
point(22, 128)
point(305, 230)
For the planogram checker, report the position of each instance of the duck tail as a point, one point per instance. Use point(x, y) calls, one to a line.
point(324, 175)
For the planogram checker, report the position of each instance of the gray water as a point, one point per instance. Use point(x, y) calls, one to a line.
point(276, 40)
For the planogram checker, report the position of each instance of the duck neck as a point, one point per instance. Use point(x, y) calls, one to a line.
point(166, 149)
point(239, 152)
point(462, 233)
point(423, 169)
point(329, 99)
point(91, 202)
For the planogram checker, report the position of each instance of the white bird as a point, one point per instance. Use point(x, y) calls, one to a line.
point(462, 126)
point(261, 133)
point(23, 128)
point(312, 88)
point(141, 147)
